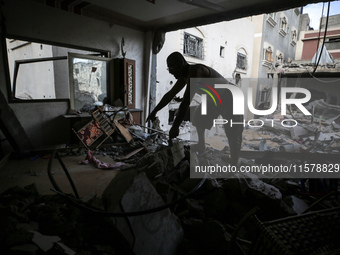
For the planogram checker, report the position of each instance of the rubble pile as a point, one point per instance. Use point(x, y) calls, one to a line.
point(205, 222)
point(154, 207)
point(317, 135)
point(50, 224)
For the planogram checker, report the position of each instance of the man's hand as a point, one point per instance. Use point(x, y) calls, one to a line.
point(151, 117)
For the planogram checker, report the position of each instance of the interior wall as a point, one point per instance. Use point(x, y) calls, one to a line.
point(31, 20)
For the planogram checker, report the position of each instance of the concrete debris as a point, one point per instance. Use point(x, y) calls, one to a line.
point(299, 205)
point(324, 111)
point(212, 220)
point(45, 243)
point(297, 131)
point(50, 224)
point(265, 188)
point(322, 135)
point(290, 147)
point(138, 131)
point(155, 233)
point(204, 223)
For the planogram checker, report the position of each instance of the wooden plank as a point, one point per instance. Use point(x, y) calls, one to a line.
point(131, 153)
point(124, 132)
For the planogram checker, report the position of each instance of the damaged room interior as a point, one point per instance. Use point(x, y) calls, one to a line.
point(85, 170)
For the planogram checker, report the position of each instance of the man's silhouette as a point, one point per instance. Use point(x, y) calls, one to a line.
point(183, 71)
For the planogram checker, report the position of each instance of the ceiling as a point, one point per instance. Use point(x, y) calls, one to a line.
point(169, 15)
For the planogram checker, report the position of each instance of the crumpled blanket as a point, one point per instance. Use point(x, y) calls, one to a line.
point(100, 164)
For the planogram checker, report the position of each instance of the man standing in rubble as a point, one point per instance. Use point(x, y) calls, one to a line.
point(183, 71)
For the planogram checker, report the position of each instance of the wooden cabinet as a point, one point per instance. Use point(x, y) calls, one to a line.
point(124, 82)
point(125, 86)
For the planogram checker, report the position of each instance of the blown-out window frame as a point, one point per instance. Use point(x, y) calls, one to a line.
point(193, 46)
point(241, 62)
point(11, 76)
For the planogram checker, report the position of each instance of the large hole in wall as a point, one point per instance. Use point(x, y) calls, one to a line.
point(40, 70)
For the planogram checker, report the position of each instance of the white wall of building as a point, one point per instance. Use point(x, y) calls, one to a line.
point(235, 36)
point(27, 77)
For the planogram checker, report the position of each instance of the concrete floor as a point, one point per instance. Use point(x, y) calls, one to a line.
point(28, 170)
point(87, 178)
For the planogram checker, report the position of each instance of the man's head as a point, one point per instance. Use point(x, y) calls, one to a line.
point(176, 64)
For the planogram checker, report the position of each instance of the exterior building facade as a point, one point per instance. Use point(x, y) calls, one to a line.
point(275, 40)
point(312, 39)
point(226, 46)
point(241, 50)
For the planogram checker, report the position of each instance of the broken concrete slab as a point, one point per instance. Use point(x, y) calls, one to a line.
point(156, 233)
point(293, 205)
point(298, 131)
point(265, 188)
point(299, 205)
point(44, 242)
point(326, 137)
point(292, 147)
point(117, 188)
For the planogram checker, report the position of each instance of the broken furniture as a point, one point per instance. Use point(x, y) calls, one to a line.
point(97, 131)
point(100, 128)
point(89, 134)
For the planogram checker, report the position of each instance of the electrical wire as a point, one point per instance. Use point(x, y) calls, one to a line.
point(80, 204)
point(50, 176)
point(323, 81)
point(324, 38)
point(317, 45)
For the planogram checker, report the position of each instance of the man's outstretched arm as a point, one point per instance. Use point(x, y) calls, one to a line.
point(195, 72)
point(181, 113)
point(167, 98)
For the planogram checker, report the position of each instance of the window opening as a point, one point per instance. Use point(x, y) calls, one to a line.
point(268, 56)
point(39, 71)
point(241, 61)
point(193, 46)
point(222, 52)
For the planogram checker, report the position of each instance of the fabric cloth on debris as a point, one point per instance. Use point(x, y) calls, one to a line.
point(100, 164)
